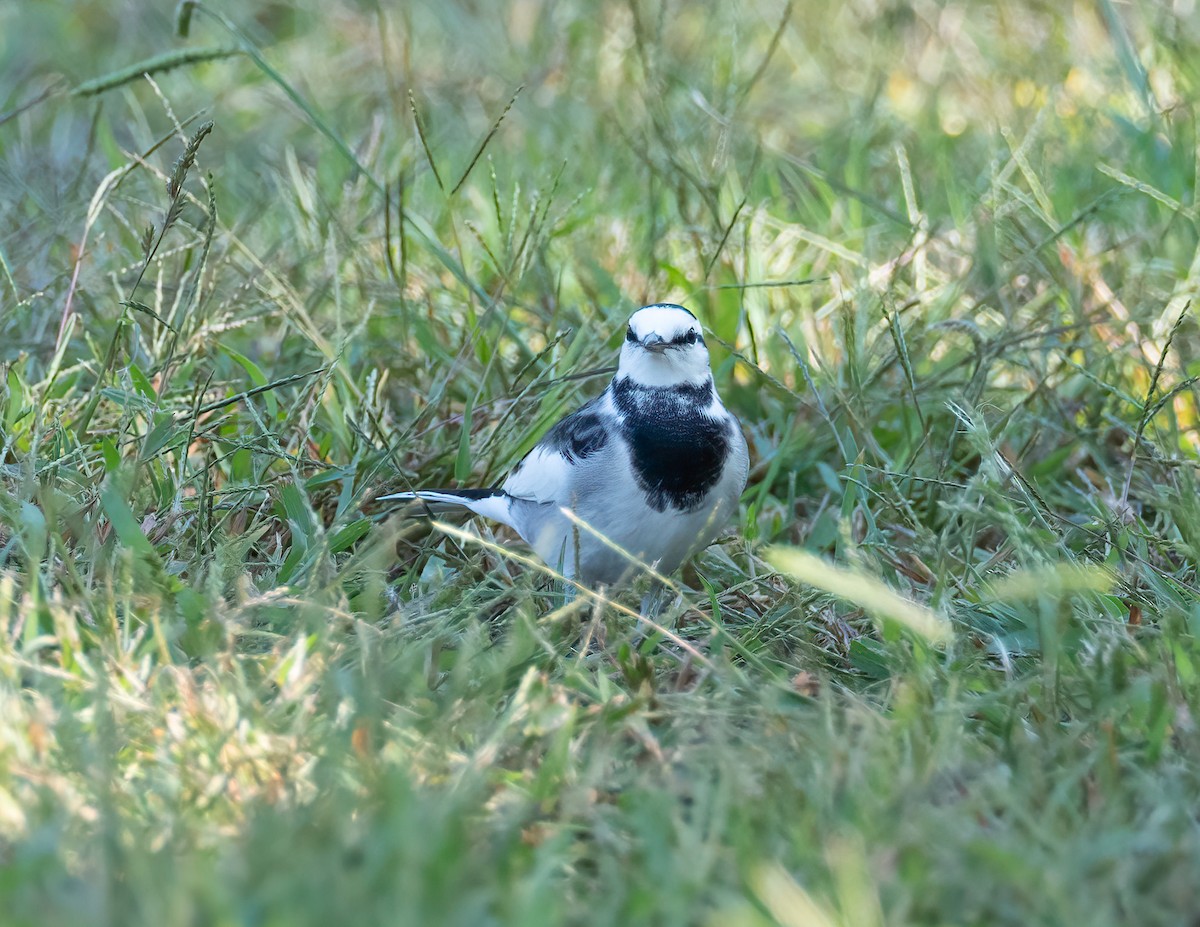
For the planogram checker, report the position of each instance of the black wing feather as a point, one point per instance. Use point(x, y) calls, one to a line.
point(580, 434)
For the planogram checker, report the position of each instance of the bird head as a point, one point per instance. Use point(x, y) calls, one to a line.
point(664, 347)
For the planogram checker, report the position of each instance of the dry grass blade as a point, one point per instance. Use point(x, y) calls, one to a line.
point(168, 61)
point(874, 597)
point(420, 124)
point(483, 144)
point(1149, 409)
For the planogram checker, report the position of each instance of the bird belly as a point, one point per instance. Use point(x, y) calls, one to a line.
point(619, 522)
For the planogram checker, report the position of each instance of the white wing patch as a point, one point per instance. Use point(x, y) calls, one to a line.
point(543, 476)
point(549, 471)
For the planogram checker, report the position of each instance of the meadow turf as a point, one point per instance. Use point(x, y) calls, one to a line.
point(947, 254)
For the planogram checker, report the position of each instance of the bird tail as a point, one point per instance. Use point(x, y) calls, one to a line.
point(490, 503)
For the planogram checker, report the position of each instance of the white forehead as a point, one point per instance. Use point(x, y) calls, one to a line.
point(664, 320)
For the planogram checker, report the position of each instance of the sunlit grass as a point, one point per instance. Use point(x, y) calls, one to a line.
point(945, 256)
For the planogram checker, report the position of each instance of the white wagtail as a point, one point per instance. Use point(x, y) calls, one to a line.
point(655, 464)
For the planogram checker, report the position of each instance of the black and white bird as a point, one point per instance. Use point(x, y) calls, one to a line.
point(655, 464)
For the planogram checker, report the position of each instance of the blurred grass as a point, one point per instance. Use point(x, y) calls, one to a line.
point(947, 254)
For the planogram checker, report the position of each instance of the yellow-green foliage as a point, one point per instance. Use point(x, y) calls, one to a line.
point(259, 262)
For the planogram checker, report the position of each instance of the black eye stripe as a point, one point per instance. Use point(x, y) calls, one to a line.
point(692, 336)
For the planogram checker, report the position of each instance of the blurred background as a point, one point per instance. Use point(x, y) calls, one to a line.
point(945, 253)
point(799, 168)
point(657, 149)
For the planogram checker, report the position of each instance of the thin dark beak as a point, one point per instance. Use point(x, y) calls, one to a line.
point(654, 342)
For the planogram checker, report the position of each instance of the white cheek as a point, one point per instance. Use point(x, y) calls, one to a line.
point(694, 360)
point(668, 369)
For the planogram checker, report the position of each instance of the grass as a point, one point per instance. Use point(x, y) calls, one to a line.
point(944, 671)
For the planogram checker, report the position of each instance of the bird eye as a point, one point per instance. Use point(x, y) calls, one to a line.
point(629, 335)
point(690, 337)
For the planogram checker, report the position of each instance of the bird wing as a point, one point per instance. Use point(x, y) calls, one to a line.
point(546, 474)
